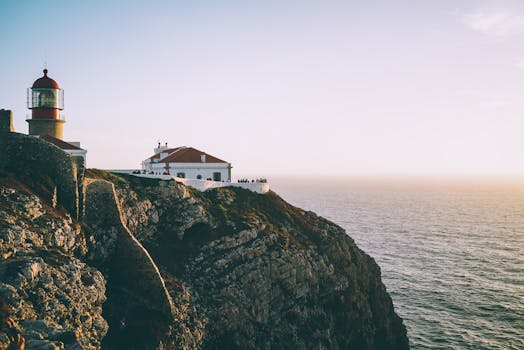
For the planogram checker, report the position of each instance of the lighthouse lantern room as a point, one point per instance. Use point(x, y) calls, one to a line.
point(45, 99)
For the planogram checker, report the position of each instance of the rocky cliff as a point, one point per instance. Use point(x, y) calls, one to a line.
point(154, 264)
point(55, 297)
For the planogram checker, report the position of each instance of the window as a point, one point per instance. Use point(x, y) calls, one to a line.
point(199, 177)
point(182, 175)
point(217, 176)
point(45, 98)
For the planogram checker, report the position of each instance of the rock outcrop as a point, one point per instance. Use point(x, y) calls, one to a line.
point(55, 296)
point(262, 273)
point(223, 269)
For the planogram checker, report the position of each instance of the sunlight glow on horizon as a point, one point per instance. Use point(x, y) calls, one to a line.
point(281, 87)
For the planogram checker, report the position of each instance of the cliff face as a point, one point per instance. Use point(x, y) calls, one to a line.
point(55, 296)
point(224, 269)
point(262, 273)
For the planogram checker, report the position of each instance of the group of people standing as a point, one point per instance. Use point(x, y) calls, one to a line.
point(262, 180)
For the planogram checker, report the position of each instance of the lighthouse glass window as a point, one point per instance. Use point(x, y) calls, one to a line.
point(46, 98)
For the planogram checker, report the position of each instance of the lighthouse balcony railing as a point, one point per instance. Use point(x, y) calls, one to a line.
point(60, 117)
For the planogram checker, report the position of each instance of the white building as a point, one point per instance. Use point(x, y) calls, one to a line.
point(72, 148)
point(186, 162)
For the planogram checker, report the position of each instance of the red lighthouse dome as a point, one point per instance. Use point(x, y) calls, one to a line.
point(45, 82)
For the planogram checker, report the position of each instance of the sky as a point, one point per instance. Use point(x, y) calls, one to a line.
point(280, 87)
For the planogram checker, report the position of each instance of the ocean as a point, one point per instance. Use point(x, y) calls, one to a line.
point(451, 252)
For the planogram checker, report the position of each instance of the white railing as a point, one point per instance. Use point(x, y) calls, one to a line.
point(201, 185)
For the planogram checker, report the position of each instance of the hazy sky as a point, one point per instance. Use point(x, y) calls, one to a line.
point(359, 87)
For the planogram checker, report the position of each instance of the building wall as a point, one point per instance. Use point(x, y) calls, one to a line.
point(192, 170)
point(6, 121)
point(37, 158)
point(51, 127)
point(81, 154)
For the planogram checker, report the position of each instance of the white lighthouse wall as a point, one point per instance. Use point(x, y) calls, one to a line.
point(191, 170)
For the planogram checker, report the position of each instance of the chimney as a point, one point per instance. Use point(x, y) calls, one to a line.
point(160, 148)
point(6, 121)
point(202, 158)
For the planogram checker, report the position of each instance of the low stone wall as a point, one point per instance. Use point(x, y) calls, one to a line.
point(114, 245)
point(203, 185)
point(36, 158)
point(259, 187)
point(80, 171)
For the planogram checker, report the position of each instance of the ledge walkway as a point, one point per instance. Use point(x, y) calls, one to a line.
point(203, 185)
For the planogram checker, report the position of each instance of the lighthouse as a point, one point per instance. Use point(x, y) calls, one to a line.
point(45, 99)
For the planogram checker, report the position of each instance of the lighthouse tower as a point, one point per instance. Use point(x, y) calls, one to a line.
point(45, 99)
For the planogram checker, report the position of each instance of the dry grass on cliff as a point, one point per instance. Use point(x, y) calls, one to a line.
point(105, 175)
point(250, 210)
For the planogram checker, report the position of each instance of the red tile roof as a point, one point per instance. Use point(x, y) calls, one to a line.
point(61, 144)
point(186, 155)
point(167, 150)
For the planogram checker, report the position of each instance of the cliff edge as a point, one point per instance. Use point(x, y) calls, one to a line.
point(250, 271)
point(153, 264)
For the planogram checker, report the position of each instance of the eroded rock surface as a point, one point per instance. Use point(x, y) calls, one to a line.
point(262, 273)
point(157, 265)
point(55, 296)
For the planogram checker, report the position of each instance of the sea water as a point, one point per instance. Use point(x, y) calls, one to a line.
point(451, 253)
